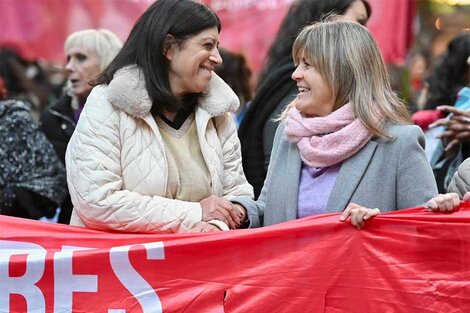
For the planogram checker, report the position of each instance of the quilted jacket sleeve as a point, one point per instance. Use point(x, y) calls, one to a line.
point(94, 176)
point(234, 180)
point(460, 183)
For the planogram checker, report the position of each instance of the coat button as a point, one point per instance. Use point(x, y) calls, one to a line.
point(63, 126)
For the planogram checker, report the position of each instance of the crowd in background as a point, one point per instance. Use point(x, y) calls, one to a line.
point(42, 103)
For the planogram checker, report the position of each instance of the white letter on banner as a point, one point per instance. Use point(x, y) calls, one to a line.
point(66, 283)
point(138, 287)
point(23, 285)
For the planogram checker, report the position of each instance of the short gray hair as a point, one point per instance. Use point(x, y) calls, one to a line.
point(102, 41)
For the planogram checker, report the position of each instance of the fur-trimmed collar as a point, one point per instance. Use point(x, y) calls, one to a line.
point(127, 92)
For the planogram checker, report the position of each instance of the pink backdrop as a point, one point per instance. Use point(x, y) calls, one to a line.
point(38, 28)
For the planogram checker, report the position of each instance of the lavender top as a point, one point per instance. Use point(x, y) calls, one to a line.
point(76, 113)
point(316, 184)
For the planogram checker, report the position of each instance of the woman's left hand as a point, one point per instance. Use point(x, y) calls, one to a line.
point(204, 227)
point(358, 214)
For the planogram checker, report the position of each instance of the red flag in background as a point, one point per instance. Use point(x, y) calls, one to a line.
point(392, 25)
point(39, 27)
point(250, 26)
point(405, 261)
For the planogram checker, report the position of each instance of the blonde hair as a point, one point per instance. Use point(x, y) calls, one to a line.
point(348, 58)
point(102, 41)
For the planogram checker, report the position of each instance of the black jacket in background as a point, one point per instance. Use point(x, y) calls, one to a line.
point(58, 124)
point(271, 92)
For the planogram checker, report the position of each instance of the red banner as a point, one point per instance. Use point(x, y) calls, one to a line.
point(406, 261)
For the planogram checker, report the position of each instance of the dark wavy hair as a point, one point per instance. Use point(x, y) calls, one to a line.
point(302, 13)
point(12, 67)
point(145, 46)
point(450, 74)
point(236, 73)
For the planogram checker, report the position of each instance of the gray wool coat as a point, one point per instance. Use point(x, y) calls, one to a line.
point(389, 175)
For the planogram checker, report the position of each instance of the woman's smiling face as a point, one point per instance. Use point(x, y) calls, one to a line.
point(315, 97)
point(192, 62)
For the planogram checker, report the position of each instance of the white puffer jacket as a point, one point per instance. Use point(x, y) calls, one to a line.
point(117, 169)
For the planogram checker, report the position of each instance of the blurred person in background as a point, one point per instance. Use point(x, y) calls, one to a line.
point(276, 88)
point(235, 72)
point(448, 93)
point(345, 144)
point(156, 148)
point(25, 80)
point(450, 74)
point(418, 63)
point(32, 178)
point(57, 76)
point(88, 53)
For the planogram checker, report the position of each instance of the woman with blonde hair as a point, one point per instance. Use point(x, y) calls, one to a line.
point(276, 89)
point(344, 143)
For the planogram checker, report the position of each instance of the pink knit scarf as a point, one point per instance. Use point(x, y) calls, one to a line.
point(328, 140)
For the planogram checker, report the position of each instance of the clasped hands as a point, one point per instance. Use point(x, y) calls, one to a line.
point(217, 208)
point(234, 214)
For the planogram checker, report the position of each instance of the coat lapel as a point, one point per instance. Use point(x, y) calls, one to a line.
point(349, 176)
point(293, 168)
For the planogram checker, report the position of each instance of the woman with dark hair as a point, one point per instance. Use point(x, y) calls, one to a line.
point(25, 80)
point(448, 93)
point(276, 88)
point(450, 75)
point(155, 149)
point(32, 179)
